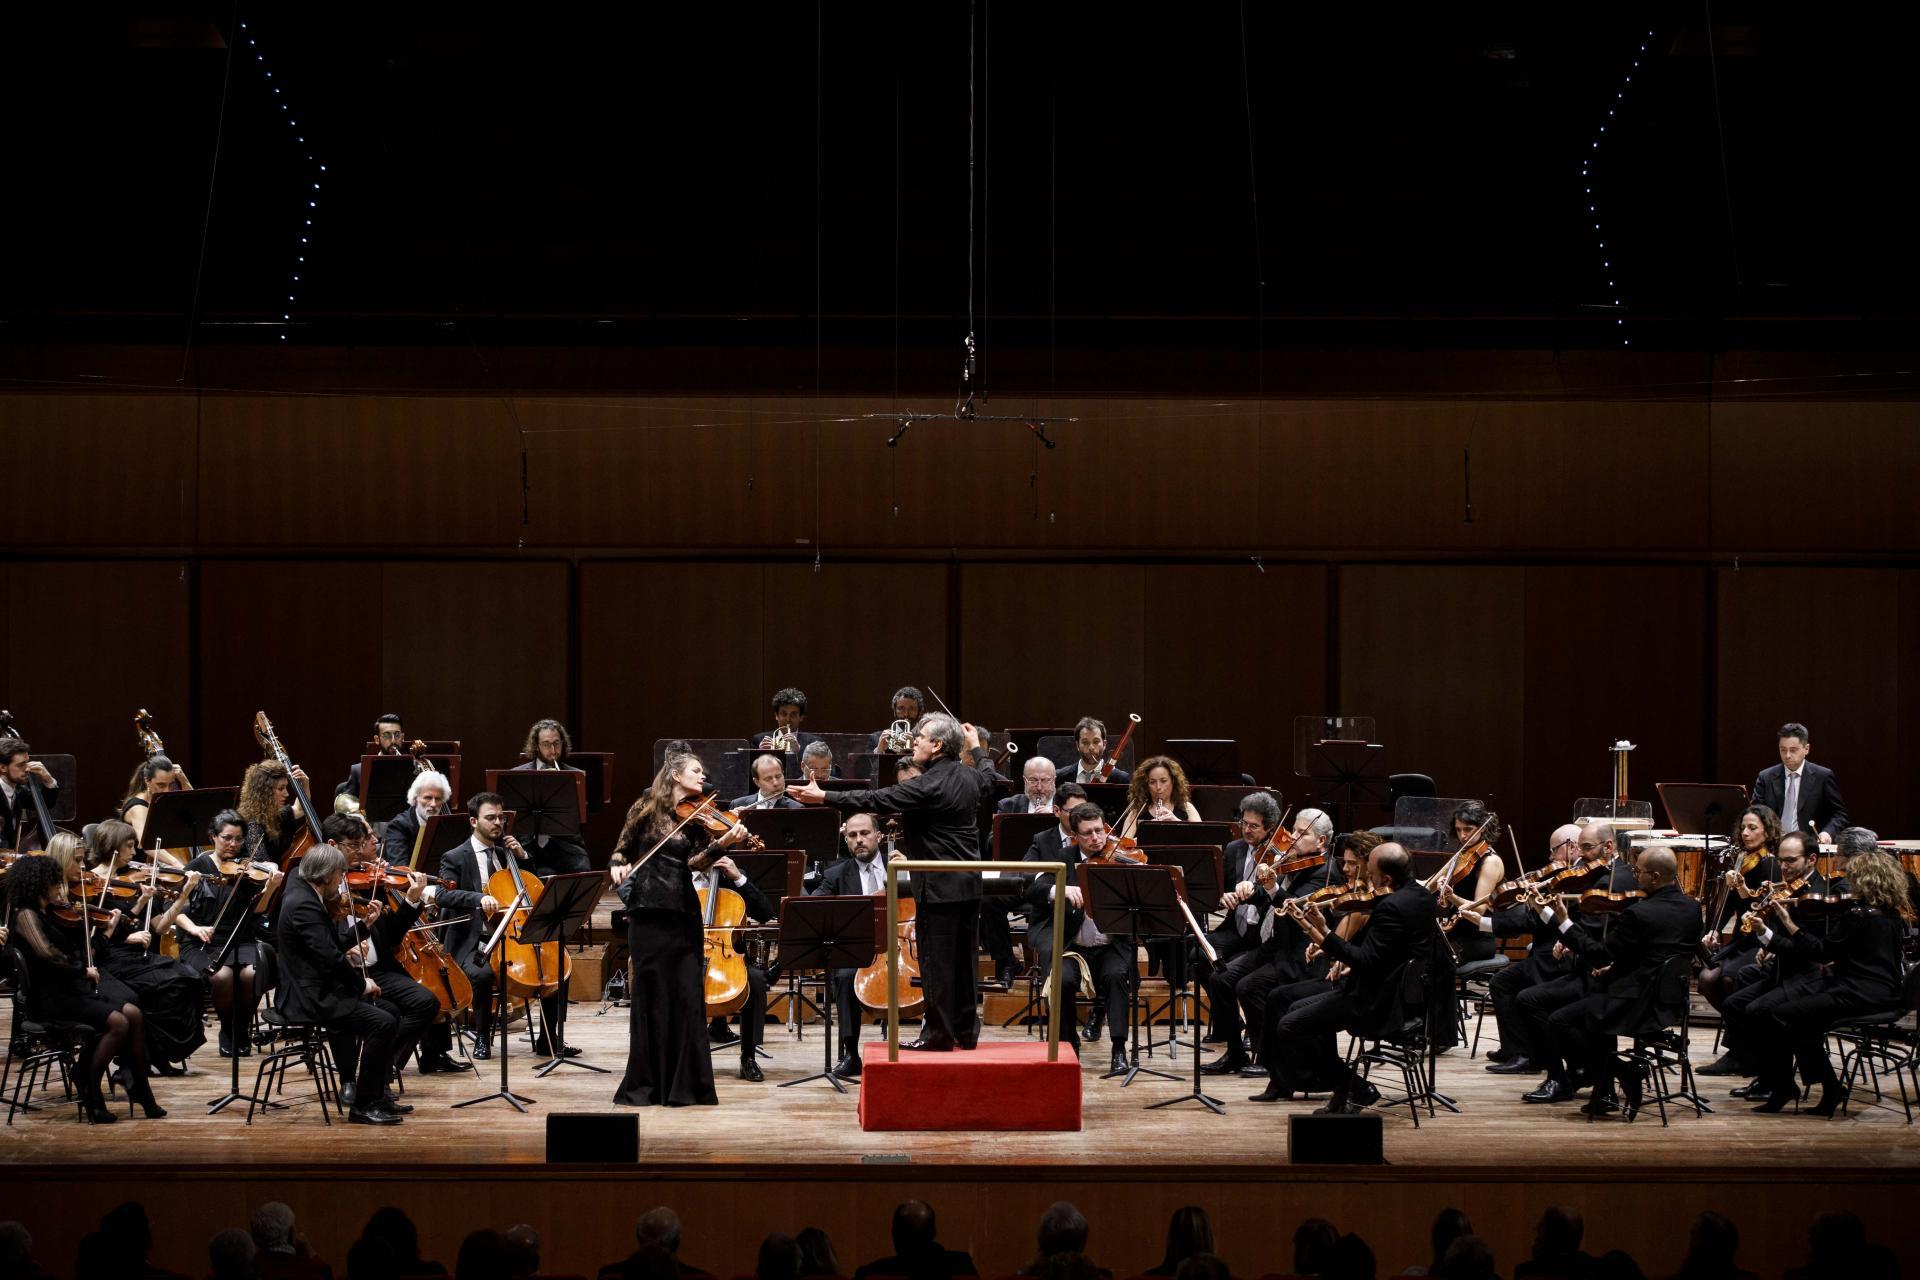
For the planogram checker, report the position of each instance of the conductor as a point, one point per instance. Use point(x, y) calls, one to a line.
point(940, 813)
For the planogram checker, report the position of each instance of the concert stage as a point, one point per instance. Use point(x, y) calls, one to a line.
point(778, 1159)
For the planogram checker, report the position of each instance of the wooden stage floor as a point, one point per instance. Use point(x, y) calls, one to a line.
point(810, 1126)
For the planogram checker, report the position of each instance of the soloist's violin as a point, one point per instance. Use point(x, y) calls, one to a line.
point(708, 813)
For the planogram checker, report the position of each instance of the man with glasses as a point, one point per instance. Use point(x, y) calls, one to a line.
point(1546, 960)
point(389, 739)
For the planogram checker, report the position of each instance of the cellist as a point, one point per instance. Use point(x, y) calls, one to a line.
point(470, 866)
point(416, 1006)
point(724, 874)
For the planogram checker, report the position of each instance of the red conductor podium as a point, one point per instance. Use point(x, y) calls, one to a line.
point(996, 1086)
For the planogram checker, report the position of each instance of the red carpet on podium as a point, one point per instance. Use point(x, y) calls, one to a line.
point(996, 1086)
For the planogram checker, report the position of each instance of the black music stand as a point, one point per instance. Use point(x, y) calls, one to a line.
point(598, 766)
point(880, 769)
point(813, 829)
point(778, 873)
point(179, 819)
point(64, 804)
point(547, 802)
point(1348, 776)
point(446, 832)
point(565, 904)
point(237, 1021)
point(502, 1016)
point(1131, 903)
point(1202, 878)
point(1014, 833)
point(1222, 804)
point(386, 779)
point(1702, 808)
point(1110, 796)
point(828, 932)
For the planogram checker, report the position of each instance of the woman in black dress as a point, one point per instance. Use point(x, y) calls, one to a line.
point(216, 906)
point(1732, 953)
point(668, 1062)
point(62, 988)
point(168, 992)
point(273, 819)
point(155, 776)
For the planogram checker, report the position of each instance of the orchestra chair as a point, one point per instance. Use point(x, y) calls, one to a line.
point(1409, 784)
point(1402, 1040)
point(1473, 990)
point(284, 1042)
point(1873, 1042)
point(1661, 1048)
point(40, 1047)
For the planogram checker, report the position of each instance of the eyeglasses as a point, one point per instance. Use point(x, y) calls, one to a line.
point(1589, 848)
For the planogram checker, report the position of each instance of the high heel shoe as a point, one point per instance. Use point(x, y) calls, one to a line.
point(93, 1107)
point(1777, 1100)
point(1832, 1097)
point(148, 1104)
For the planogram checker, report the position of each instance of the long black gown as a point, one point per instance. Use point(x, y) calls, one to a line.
point(668, 1062)
point(168, 993)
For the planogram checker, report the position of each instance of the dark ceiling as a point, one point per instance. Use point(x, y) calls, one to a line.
point(781, 177)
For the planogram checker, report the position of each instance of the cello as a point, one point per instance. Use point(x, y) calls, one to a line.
point(526, 969)
point(870, 983)
point(722, 910)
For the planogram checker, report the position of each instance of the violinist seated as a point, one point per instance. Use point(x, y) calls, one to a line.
point(1105, 959)
point(323, 980)
point(1477, 872)
point(169, 993)
point(225, 920)
point(1300, 1043)
point(1855, 967)
point(389, 739)
point(862, 872)
point(722, 873)
point(1778, 971)
point(1730, 952)
point(1545, 961)
point(1259, 948)
point(18, 817)
point(547, 747)
point(1090, 744)
point(471, 866)
point(427, 797)
point(770, 787)
point(414, 1005)
point(1624, 962)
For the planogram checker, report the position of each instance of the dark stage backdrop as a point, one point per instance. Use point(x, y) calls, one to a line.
point(1683, 574)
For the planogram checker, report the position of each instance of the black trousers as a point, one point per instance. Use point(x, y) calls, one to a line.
point(947, 973)
point(1106, 964)
point(1787, 1023)
point(1579, 1040)
point(996, 938)
point(1509, 984)
point(553, 1008)
point(1302, 1053)
point(369, 1032)
point(1223, 991)
point(848, 1012)
point(753, 1014)
point(1533, 1009)
point(414, 1006)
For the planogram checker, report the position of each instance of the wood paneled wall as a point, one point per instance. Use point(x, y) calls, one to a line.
point(1218, 567)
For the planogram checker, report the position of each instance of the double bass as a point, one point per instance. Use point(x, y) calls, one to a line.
point(8, 729)
point(310, 838)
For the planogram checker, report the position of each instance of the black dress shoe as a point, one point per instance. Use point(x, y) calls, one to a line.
point(1724, 1065)
point(393, 1104)
point(1365, 1094)
point(1094, 1024)
point(483, 1049)
point(930, 1044)
point(346, 1094)
point(543, 1049)
point(750, 1070)
point(372, 1115)
point(1600, 1104)
point(1214, 1037)
point(1337, 1107)
point(1515, 1066)
point(1500, 1055)
point(1254, 1070)
point(1119, 1060)
point(169, 1069)
point(1752, 1090)
point(848, 1067)
point(721, 1033)
point(440, 1062)
point(1272, 1093)
point(1551, 1090)
point(1230, 1064)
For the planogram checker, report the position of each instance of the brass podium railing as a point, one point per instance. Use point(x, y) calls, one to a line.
point(1059, 873)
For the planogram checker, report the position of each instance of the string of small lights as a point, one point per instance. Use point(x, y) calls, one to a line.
point(310, 190)
point(1588, 164)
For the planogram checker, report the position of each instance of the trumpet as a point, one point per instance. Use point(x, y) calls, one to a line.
point(784, 739)
point(898, 738)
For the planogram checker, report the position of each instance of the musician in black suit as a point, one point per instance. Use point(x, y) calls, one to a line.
point(389, 739)
point(908, 705)
point(940, 811)
point(1860, 955)
point(427, 796)
point(1105, 958)
point(1038, 779)
point(470, 866)
point(416, 1006)
point(1260, 949)
point(547, 747)
point(322, 981)
point(862, 872)
point(1803, 793)
point(789, 715)
point(1399, 931)
point(1090, 743)
point(770, 781)
point(723, 873)
point(1626, 962)
point(1544, 962)
point(18, 769)
point(1777, 972)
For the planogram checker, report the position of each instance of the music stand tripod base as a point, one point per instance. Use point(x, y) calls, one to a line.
point(519, 1102)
